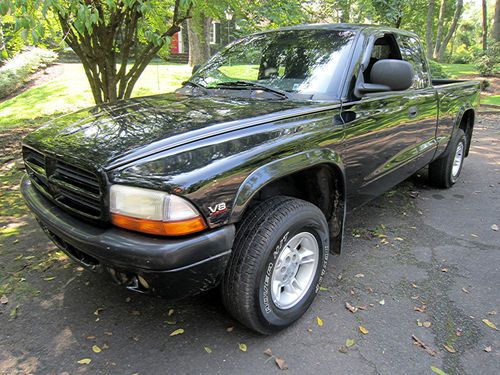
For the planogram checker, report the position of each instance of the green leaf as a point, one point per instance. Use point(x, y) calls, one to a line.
point(349, 342)
point(438, 371)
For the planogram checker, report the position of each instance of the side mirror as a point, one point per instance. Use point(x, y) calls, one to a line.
point(195, 68)
point(397, 74)
point(388, 75)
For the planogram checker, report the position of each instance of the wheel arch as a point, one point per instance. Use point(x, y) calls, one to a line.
point(316, 176)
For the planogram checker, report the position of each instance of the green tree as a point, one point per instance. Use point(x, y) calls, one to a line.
point(114, 39)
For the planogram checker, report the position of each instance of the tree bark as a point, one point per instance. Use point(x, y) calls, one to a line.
point(113, 39)
point(428, 28)
point(484, 35)
point(199, 38)
point(440, 25)
point(451, 31)
point(496, 23)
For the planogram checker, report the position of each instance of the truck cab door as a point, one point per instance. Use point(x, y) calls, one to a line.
point(381, 146)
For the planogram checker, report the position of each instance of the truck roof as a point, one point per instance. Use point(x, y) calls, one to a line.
point(344, 27)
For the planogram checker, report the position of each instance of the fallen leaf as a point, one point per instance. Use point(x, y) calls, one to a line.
point(474, 235)
point(492, 312)
point(426, 324)
point(319, 321)
point(350, 307)
point(268, 352)
point(323, 289)
point(98, 311)
point(419, 323)
point(494, 227)
point(105, 346)
point(207, 349)
point(449, 348)
point(90, 337)
point(96, 349)
point(230, 329)
point(458, 332)
point(381, 302)
point(107, 333)
point(309, 330)
point(50, 278)
point(363, 330)
point(465, 290)
point(13, 313)
point(4, 300)
point(128, 299)
point(399, 239)
point(358, 275)
point(179, 331)
point(343, 349)
point(487, 349)
point(423, 345)
point(349, 342)
point(361, 307)
point(281, 363)
point(414, 285)
point(438, 371)
point(419, 309)
point(242, 347)
point(170, 312)
point(135, 338)
point(84, 361)
point(490, 324)
point(444, 269)
point(171, 322)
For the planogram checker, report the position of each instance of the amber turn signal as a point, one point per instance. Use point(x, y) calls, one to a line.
point(160, 228)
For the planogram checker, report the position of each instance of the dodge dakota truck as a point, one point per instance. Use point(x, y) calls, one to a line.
point(241, 179)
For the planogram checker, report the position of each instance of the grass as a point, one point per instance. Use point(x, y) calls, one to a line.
point(70, 91)
point(491, 100)
point(459, 70)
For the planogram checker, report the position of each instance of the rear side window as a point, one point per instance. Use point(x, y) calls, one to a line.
point(412, 52)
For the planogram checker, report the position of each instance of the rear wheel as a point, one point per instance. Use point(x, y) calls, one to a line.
point(279, 259)
point(445, 171)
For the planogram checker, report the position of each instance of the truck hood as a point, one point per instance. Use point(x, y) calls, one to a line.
point(110, 135)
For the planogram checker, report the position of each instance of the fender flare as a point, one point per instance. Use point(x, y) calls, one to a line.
point(282, 167)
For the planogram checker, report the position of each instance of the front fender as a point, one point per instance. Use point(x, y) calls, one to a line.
point(276, 169)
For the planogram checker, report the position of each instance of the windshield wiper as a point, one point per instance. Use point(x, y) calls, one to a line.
point(250, 84)
point(194, 84)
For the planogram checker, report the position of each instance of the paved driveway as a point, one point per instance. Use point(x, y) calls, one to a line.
point(415, 248)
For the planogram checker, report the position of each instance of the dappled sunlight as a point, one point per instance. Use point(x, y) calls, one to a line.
point(11, 363)
point(70, 91)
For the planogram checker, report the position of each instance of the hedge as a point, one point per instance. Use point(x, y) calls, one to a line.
point(17, 71)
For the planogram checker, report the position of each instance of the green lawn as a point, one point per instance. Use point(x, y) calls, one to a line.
point(70, 91)
point(458, 70)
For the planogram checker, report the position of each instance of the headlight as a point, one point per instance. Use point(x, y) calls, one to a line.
point(153, 212)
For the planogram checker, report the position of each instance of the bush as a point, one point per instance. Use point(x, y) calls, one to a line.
point(437, 70)
point(17, 70)
point(489, 62)
point(462, 55)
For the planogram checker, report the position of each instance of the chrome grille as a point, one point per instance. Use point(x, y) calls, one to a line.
point(70, 187)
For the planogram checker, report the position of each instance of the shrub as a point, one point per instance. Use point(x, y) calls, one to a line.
point(489, 62)
point(462, 55)
point(437, 70)
point(17, 70)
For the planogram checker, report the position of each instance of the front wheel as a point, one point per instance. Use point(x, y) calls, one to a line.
point(279, 259)
point(444, 172)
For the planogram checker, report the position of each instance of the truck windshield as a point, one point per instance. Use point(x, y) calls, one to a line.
point(289, 61)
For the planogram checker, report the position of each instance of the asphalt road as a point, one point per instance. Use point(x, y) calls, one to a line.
point(413, 247)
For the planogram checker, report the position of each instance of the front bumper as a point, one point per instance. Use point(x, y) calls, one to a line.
point(170, 267)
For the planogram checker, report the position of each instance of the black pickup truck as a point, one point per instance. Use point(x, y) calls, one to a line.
point(242, 178)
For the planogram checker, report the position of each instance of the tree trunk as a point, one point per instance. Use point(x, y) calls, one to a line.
point(199, 38)
point(484, 35)
point(496, 23)
point(113, 40)
point(428, 28)
point(440, 25)
point(451, 31)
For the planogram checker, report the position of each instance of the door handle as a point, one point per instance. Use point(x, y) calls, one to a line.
point(412, 112)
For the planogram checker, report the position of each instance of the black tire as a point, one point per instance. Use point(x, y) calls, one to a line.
point(441, 170)
point(259, 241)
